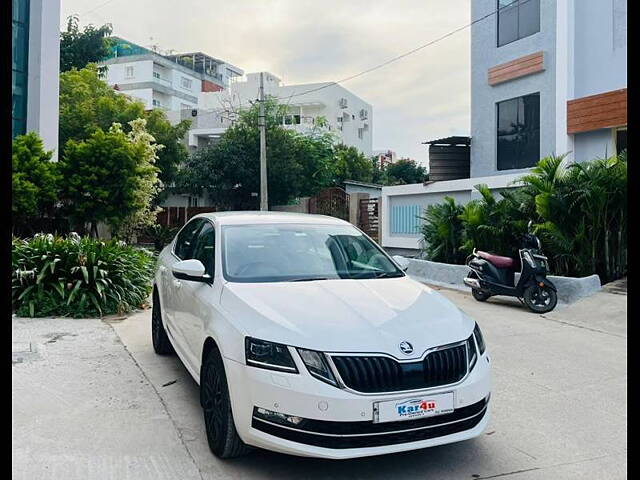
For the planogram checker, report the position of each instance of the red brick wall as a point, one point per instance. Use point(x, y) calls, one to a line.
point(208, 86)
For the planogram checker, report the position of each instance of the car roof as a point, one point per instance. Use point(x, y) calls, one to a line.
point(259, 217)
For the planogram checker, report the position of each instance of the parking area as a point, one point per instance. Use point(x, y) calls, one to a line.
point(92, 400)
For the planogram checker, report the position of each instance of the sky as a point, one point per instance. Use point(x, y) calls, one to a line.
point(418, 98)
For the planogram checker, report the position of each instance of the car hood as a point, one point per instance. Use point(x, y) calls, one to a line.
point(373, 315)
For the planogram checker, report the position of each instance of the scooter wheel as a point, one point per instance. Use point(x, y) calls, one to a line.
point(479, 295)
point(540, 299)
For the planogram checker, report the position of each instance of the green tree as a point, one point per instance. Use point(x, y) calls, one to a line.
point(406, 171)
point(110, 177)
point(378, 172)
point(351, 164)
point(229, 170)
point(34, 179)
point(79, 48)
point(87, 103)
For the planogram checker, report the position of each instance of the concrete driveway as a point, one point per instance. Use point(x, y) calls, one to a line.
point(559, 405)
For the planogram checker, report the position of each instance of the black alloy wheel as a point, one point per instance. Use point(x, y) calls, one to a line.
point(222, 436)
point(540, 299)
point(161, 343)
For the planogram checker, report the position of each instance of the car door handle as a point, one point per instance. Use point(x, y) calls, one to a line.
point(177, 283)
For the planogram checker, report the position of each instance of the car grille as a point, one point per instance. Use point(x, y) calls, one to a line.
point(368, 434)
point(378, 374)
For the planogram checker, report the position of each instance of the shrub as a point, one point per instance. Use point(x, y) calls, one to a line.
point(442, 231)
point(78, 277)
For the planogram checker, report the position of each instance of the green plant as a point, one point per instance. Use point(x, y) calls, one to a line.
point(442, 231)
point(160, 235)
point(34, 179)
point(78, 277)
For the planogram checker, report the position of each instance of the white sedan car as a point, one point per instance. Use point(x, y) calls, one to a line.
point(306, 338)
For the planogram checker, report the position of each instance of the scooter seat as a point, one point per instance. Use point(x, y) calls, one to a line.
point(498, 261)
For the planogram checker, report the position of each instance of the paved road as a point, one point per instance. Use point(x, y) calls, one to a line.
point(559, 405)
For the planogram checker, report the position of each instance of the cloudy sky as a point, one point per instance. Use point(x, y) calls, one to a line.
point(418, 98)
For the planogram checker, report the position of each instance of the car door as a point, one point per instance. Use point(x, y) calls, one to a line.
point(182, 250)
point(194, 298)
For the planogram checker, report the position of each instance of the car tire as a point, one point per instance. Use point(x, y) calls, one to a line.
point(161, 343)
point(222, 436)
point(480, 295)
point(540, 299)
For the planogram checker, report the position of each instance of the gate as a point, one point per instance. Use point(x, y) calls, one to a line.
point(368, 217)
point(332, 201)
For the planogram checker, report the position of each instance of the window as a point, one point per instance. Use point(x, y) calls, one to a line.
point(193, 202)
point(204, 248)
point(517, 19)
point(186, 239)
point(185, 83)
point(156, 75)
point(518, 132)
point(128, 72)
point(156, 103)
point(184, 106)
point(286, 252)
point(621, 140)
point(20, 58)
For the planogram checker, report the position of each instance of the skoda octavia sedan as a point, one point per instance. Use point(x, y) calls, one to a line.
point(306, 338)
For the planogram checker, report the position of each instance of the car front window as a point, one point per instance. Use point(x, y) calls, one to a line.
point(301, 252)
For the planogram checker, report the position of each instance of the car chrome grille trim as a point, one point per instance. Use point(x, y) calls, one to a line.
point(392, 433)
point(383, 374)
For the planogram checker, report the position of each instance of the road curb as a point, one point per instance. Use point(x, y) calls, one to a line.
point(570, 289)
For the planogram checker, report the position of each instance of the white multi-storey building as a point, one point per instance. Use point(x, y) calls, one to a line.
point(170, 82)
point(346, 114)
point(36, 69)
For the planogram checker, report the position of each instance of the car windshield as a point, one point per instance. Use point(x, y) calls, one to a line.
point(301, 252)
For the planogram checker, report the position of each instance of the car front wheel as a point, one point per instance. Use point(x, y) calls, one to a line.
point(161, 343)
point(222, 436)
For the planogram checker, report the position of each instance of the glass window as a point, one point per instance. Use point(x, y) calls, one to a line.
point(186, 239)
point(621, 140)
point(292, 252)
point(518, 132)
point(20, 10)
point(205, 248)
point(517, 19)
point(19, 66)
point(185, 83)
point(129, 72)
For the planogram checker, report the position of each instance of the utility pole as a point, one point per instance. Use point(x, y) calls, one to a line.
point(264, 202)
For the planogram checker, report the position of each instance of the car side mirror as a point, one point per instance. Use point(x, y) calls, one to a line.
point(402, 262)
point(192, 270)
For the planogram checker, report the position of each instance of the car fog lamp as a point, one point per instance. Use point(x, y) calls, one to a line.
point(278, 417)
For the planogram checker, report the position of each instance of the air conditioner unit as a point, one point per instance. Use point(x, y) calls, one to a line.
point(364, 114)
point(343, 103)
point(194, 112)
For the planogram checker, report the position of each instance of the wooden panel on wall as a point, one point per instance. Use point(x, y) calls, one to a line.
point(517, 68)
point(604, 110)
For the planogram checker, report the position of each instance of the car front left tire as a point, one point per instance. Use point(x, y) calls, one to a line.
point(161, 343)
point(222, 436)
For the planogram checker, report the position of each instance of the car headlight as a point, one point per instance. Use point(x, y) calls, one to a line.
point(269, 355)
point(317, 365)
point(472, 354)
point(479, 339)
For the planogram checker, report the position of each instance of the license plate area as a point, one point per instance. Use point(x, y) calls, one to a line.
point(412, 408)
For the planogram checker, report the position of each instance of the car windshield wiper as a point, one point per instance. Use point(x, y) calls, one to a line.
point(307, 279)
point(388, 274)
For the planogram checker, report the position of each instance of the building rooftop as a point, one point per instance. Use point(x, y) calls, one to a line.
point(454, 140)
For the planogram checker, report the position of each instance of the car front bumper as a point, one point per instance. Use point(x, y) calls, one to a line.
point(304, 396)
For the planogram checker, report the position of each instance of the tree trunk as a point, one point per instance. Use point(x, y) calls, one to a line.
point(94, 230)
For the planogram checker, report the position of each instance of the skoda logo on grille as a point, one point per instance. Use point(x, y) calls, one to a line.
point(406, 348)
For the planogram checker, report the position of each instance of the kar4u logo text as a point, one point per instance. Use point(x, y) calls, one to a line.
point(413, 406)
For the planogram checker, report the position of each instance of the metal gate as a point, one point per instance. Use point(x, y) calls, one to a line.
point(332, 201)
point(368, 217)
